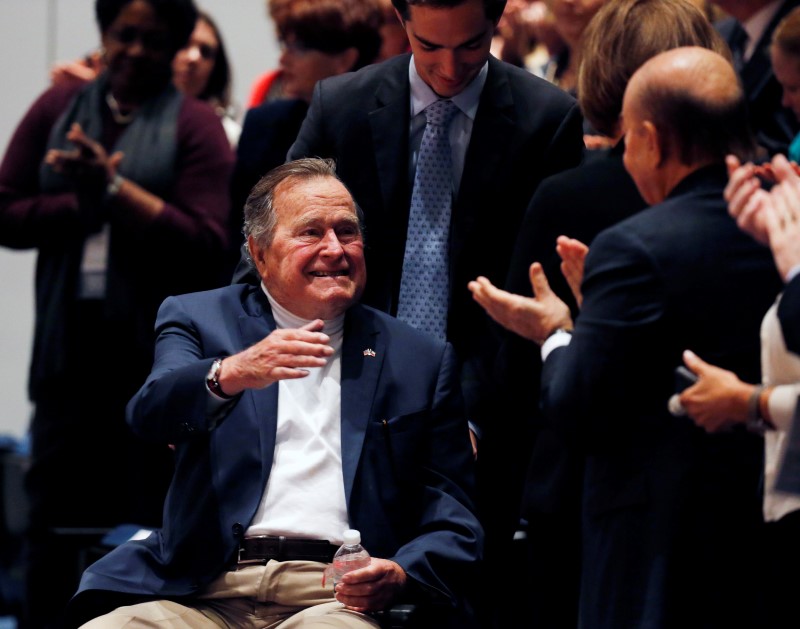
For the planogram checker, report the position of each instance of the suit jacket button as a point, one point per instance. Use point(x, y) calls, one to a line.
point(238, 530)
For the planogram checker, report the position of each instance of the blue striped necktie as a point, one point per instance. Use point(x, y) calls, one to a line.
point(424, 285)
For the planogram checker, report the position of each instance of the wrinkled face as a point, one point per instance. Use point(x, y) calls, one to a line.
point(303, 66)
point(787, 71)
point(314, 266)
point(138, 52)
point(450, 44)
point(194, 63)
point(572, 16)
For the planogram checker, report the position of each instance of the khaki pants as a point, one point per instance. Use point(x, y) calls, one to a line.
point(288, 594)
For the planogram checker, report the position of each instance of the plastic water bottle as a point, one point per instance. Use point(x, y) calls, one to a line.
point(350, 556)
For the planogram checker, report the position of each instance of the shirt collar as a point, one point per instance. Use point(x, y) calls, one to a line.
point(757, 24)
point(466, 101)
point(285, 319)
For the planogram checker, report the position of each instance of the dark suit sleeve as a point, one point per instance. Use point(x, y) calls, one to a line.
point(789, 315)
point(309, 139)
point(174, 403)
point(602, 377)
point(449, 546)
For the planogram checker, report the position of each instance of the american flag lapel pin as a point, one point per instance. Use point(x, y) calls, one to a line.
point(369, 352)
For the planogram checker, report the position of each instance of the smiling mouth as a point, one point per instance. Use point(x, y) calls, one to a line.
point(330, 273)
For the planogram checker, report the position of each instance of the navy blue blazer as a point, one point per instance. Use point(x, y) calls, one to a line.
point(525, 129)
point(406, 456)
point(670, 513)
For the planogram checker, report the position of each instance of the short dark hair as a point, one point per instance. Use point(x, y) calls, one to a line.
point(695, 129)
point(493, 8)
point(787, 34)
point(179, 17)
point(218, 87)
point(621, 37)
point(331, 26)
point(260, 218)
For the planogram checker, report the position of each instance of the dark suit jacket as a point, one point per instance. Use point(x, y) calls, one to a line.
point(669, 511)
point(579, 202)
point(789, 315)
point(525, 129)
point(406, 456)
point(775, 125)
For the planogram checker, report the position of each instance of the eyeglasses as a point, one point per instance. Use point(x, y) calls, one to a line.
point(155, 41)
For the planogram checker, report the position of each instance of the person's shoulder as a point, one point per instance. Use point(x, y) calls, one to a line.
point(394, 68)
point(525, 81)
point(55, 99)
point(225, 296)
point(197, 111)
point(276, 110)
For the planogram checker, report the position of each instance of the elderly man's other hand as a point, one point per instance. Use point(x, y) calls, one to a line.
point(283, 354)
point(718, 400)
point(533, 318)
point(573, 255)
point(373, 587)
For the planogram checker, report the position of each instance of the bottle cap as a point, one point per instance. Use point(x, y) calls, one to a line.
point(351, 537)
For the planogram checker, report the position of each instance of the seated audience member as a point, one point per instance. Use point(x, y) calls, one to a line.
point(720, 400)
point(297, 413)
point(579, 202)
point(664, 502)
point(120, 184)
point(201, 69)
point(320, 38)
point(748, 29)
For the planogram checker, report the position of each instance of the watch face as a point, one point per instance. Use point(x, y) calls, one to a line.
point(211, 377)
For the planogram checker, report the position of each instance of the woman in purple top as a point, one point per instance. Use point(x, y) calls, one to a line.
point(122, 186)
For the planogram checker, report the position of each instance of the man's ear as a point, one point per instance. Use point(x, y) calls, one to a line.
point(654, 144)
point(258, 256)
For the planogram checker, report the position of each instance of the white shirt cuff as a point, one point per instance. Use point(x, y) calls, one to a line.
point(559, 338)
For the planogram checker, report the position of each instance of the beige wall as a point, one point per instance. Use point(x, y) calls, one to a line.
point(33, 34)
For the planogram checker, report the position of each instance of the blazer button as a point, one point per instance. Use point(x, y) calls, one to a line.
point(238, 530)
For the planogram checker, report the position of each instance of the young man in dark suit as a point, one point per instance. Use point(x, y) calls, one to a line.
point(670, 513)
point(511, 130)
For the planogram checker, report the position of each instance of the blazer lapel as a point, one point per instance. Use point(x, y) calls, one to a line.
point(390, 137)
point(362, 358)
point(492, 133)
point(254, 325)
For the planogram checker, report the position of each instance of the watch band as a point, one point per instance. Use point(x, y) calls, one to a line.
point(113, 187)
point(212, 381)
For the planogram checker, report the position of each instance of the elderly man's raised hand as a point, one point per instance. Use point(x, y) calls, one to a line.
point(283, 354)
point(533, 318)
